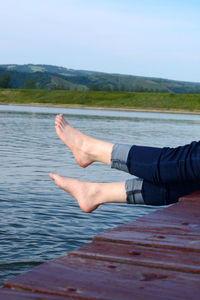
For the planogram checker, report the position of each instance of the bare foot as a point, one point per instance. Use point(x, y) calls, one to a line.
point(85, 149)
point(89, 194)
point(83, 192)
point(75, 140)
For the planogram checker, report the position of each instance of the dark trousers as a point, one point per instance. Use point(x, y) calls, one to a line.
point(168, 173)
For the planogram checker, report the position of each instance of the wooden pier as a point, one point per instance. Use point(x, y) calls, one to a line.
point(156, 256)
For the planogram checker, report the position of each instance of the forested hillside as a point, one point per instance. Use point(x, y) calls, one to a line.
point(58, 78)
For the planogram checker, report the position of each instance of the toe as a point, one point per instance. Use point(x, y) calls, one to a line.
point(52, 176)
point(57, 178)
point(59, 117)
point(58, 122)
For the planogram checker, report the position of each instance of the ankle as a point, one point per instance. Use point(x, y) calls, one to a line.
point(102, 152)
point(95, 192)
point(88, 147)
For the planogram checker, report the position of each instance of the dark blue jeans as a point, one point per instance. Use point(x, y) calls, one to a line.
point(164, 174)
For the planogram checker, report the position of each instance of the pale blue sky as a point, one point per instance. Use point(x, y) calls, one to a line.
point(139, 37)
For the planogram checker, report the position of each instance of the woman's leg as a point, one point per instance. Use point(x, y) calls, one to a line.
point(133, 191)
point(165, 165)
point(157, 165)
point(91, 194)
point(165, 194)
point(141, 191)
point(85, 149)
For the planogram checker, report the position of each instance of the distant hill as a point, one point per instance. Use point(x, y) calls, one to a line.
point(55, 77)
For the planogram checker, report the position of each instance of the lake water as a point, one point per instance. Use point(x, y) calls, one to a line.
point(38, 221)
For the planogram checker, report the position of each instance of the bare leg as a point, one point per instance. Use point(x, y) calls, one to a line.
point(90, 195)
point(85, 149)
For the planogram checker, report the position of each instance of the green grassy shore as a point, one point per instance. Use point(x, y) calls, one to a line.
point(121, 100)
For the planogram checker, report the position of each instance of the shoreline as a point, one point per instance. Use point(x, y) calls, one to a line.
point(78, 106)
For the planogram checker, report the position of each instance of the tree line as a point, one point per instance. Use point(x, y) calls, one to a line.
point(5, 82)
point(29, 83)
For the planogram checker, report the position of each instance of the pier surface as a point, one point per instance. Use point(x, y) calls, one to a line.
point(156, 256)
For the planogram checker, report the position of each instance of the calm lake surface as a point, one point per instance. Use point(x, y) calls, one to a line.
point(38, 221)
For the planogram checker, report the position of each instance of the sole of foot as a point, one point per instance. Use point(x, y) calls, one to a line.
point(86, 193)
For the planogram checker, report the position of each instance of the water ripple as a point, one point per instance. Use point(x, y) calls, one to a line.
point(39, 222)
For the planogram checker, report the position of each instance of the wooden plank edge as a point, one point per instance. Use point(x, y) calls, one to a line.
point(139, 263)
point(18, 294)
point(68, 294)
point(195, 196)
point(145, 244)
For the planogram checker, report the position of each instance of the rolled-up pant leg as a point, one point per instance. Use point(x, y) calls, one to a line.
point(143, 191)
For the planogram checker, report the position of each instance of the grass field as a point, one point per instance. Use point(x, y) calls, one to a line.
point(126, 100)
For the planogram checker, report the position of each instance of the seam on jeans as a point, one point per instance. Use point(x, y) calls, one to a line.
point(138, 196)
point(133, 193)
point(118, 160)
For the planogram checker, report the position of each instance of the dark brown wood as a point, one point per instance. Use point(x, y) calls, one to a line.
point(181, 213)
point(92, 279)
point(155, 256)
point(184, 261)
point(191, 197)
point(175, 216)
point(152, 238)
point(175, 227)
point(9, 294)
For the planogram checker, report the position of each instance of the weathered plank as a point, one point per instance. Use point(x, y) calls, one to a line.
point(175, 227)
point(147, 257)
point(191, 197)
point(9, 294)
point(83, 278)
point(182, 215)
point(139, 255)
point(151, 238)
